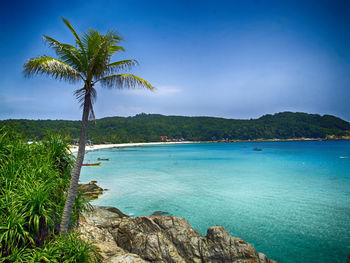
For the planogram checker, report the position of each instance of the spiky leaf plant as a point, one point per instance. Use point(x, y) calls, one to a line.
point(33, 179)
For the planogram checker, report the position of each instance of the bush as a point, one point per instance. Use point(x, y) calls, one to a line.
point(33, 181)
point(66, 248)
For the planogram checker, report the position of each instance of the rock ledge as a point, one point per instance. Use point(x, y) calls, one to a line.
point(90, 190)
point(161, 239)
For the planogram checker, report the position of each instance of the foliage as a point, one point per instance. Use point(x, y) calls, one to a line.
point(149, 127)
point(33, 180)
point(87, 62)
point(66, 248)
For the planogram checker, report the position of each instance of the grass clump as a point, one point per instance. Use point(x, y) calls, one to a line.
point(33, 181)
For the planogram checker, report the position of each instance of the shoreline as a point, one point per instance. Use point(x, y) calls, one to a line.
point(74, 149)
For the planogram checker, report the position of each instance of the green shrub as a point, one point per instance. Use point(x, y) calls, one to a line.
point(66, 248)
point(33, 181)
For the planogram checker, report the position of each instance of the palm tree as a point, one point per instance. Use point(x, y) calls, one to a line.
point(87, 62)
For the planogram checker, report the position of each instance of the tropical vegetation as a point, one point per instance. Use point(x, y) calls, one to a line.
point(33, 181)
point(88, 62)
point(150, 127)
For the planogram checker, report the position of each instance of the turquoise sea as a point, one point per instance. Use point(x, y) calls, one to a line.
point(291, 200)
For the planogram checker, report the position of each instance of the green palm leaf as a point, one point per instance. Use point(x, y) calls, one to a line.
point(121, 65)
point(52, 67)
point(68, 53)
point(125, 81)
point(77, 38)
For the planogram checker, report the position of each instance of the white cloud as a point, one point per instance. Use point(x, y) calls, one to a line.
point(12, 98)
point(166, 90)
point(158, 91)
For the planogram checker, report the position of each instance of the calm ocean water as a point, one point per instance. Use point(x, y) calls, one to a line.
point(291, 200)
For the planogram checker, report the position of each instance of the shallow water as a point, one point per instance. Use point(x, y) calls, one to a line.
point(291, 200)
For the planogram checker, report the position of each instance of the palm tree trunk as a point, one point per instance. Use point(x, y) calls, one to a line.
point(76, 168)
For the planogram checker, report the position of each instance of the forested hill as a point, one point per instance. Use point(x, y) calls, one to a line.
point(149, 127)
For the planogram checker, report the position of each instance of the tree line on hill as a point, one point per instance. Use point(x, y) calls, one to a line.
point(150, 127)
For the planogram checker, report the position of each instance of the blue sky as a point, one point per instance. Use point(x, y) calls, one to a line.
point(233, 59)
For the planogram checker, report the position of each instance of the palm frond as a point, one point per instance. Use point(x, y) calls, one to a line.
point(98, 63)
point(99, 50)
point(67, 53)
point(80, 95)
point(112, 50)
point(113, 38)
point(91, 40)
point(77, 38)
point(96, 47)
point(121, 65)
point(124, 81)
point(51, 67)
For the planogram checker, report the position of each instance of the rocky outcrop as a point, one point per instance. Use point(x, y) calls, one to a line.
point(161, 239)
point(90, 190)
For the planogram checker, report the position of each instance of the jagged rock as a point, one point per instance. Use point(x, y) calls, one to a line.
point(125, 258)
point(90, 190)
point(263, 259)
point(101, 216)
point(111, 209)
point(230, 249)
point(161, 239)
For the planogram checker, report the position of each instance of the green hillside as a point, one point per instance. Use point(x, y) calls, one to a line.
point(149, 127)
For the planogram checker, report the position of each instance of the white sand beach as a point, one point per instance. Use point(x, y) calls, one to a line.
point(74, 149)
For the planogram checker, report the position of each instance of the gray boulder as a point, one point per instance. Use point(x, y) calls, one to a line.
point(161, 239)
